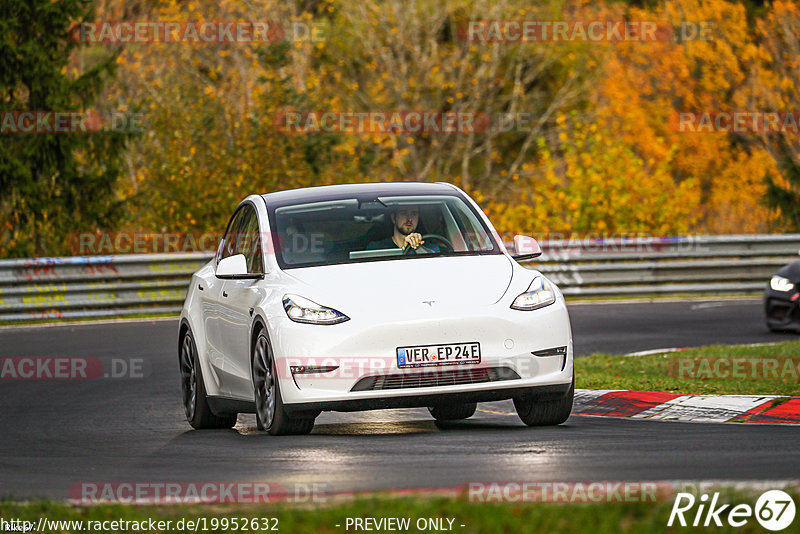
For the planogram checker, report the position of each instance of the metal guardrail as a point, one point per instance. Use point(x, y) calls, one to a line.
point(95, 286)
point(110, 286)
point(666, 265)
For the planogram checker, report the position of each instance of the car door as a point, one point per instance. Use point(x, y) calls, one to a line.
point(239, 298)
point(215, 313)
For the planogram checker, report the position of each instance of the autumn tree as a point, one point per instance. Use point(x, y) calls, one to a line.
point(597, 151)
point(646, 84)
point(52, 184)
point(775, 78)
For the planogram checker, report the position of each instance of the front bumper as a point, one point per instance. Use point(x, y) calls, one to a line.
point(367, 376)
point(420, 401)
point(782, 309)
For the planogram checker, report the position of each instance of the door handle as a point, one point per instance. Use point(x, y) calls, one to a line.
point(224, 294)
point(200, 287)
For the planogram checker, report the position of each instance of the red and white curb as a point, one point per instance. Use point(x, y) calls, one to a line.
point(661, 406)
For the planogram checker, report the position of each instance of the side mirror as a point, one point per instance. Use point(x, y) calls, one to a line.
point(525, 248)
point(234, 267)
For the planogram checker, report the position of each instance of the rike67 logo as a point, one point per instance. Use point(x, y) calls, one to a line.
point(774, 510)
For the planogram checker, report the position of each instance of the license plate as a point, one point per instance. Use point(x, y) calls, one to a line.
point(449, 354)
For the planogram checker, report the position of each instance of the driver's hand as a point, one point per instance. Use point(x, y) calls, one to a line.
point(413, 240)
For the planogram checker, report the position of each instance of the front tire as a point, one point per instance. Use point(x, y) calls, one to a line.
point(193, 389)
point(270, 412)
point(538, 410)
point(453, 412)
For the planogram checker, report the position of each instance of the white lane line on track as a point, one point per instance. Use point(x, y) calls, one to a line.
point(678, 349)
point(720, 303)
point(707, 305)
point(657, 351)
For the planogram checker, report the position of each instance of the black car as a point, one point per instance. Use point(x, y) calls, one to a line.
point(781, 299)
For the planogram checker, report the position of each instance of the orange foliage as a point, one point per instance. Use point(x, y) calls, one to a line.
point(603, 155)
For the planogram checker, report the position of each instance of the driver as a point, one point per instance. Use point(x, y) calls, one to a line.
point(404, 222)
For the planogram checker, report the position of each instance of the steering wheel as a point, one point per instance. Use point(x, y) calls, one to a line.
point(448, 246)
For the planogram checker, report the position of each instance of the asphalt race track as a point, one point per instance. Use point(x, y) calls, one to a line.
point(58, 433)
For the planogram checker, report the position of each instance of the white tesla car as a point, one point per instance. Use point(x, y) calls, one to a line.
point(366, 296)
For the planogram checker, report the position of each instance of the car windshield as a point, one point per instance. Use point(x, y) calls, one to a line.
point(361, 229)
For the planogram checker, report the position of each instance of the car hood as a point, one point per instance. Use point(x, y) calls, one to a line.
point(791, 271)
point(450, 281)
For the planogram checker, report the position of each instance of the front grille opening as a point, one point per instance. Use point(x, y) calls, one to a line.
point(779, 310)
point(436, 378)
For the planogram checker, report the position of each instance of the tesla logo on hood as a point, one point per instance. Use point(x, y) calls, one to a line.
point(428, 302)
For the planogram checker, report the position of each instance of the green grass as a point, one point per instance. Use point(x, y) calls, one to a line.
point(605, 518)
point(660, 372)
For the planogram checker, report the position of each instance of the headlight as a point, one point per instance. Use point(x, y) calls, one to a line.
point(539, 294)
point(779, 283)
point(302, 310)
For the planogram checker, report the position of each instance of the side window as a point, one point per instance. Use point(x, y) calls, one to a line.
point(250, 242)
point(229, 242)
point(256, 266)
point(252, 232)
point(472, 231)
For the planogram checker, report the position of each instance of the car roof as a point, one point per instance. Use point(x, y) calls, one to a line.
point(334, 192)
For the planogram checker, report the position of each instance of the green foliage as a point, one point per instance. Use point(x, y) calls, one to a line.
point(786, 197)
point(52, 184)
